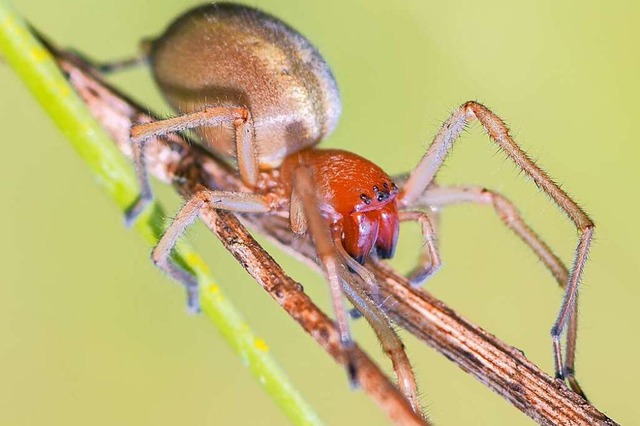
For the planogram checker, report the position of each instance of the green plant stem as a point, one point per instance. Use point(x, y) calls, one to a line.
point(115, 175)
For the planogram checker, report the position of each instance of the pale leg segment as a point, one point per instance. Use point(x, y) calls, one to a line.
point(425, 172)
point(123, 64)
point(112, 67)
point(142, 58)
point(448, 195)
point(146, 194)
point(506, 212)
point(430, 258)
point(239, 117)
point(223, 200)
point(328, 257)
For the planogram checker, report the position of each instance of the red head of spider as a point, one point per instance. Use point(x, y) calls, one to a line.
point(356, 195)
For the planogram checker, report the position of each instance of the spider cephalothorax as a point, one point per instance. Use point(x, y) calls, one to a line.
point(356, 196)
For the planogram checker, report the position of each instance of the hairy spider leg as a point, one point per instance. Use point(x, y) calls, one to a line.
point(239, 117)
point(318, 227)
point(505, 210)
point(429, 262)
point(205, 198)
point(425, 172)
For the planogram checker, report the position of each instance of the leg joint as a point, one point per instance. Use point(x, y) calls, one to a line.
point(157, 260)
point(470, 105)
point(241, 116)
point(587, 227)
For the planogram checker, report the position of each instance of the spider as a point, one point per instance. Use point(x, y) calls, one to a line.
point(259, 94)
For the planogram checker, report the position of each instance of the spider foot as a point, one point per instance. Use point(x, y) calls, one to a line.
point(355, 314)
point(570, 377)
point(419, 276)
point(349, 361)
point(190, 284)
point(186, 279)
point(351, 365)
point(135, 210)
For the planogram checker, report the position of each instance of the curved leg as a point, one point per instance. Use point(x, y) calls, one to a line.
point(146, 193)
point(430, 259)
point(241, 119)
point(424, 173)
point(233, 201)
point(509, 215)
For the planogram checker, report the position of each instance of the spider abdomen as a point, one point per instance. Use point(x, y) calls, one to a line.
point(232, 55)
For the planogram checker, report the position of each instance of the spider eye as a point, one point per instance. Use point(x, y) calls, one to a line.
point(365, 198)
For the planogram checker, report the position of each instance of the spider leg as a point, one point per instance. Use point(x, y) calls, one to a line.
point(328, 257)
point(211, 115)
point(506, 212)
point(570, 356)
point(114, 66)
point(241, 119)
point(425, 172)
point(146, 194)
point(232, 201)
point(137, 148)
point(430, 259)
point(447, 195)
point(367, 305)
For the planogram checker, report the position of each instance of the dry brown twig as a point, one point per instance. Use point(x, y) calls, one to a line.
point(502, 368)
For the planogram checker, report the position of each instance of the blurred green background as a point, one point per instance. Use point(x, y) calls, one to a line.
point(91, 333)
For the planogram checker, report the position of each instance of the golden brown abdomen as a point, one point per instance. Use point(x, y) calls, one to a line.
point(228, 54)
